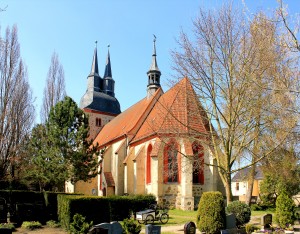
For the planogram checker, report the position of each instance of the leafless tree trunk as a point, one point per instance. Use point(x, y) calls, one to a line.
point(54, 90)
point(16, 104)
point(229, 68)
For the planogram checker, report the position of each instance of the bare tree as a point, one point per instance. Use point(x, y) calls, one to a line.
point(293, 41)
point(54, 90)
point(16, 104)
point(228, 64)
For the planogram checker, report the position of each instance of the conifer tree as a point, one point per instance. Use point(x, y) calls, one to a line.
point(61, 146)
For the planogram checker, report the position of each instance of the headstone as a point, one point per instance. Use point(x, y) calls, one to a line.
point(152, 229)
point(3, 210)
point(106, 228)
point(116, 227)
point(190, 228)
point(102, 228)
point(230, 221)
point(5, 231)
point(266, 221)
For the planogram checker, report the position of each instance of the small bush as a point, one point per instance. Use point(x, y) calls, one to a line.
point(31, 225)
point(249, 228)
point(8, 225)
point(131, 226)
point(256, 207)
point(79, 226)
point(284, 210)
point(52, 224)
point(211, 213)
point(241, 211)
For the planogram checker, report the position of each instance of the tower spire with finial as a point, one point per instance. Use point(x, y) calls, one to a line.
point(108, 82)
point(94, 69)
point(107, 72)
point(154, 73)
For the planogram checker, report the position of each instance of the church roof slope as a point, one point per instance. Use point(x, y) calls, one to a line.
point(127, 122)
point(178, 111)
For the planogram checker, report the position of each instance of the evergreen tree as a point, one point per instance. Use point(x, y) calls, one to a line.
point(60, 150)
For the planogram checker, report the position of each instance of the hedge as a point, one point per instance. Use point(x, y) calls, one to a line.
point(29, 206)
point(100, 209)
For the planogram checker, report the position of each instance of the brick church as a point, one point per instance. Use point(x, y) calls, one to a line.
point(159, 145)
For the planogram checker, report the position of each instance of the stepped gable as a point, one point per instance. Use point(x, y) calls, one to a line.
point(178, 111)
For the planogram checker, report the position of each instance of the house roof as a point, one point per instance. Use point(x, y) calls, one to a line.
point(126, 122)
point(243, 174)
point(178, 111)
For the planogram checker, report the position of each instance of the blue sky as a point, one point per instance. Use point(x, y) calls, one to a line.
point(70, 28)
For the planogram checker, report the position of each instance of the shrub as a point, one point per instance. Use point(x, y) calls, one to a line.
point(256, 207)
point(241, 211)
point(79, 226)
point(52, 224)
point(131, 226)
point(69, 205)
point(249, 228)
point(284, 210)
point(31, 225)
point(8, 225)
point(96, 209)
point(211, 213)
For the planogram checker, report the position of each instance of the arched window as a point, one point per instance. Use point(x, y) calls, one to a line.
point(171, 162)
point(198, 164)
point(148, 165)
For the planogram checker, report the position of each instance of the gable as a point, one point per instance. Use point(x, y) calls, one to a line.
point(178, 111)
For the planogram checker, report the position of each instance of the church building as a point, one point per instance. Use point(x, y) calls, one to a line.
point(159, 145)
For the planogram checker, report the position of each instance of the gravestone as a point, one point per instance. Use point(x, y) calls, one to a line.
point(3, 210)
point(152, 229)
point(266, 221)
point(230, 221)
point(5, 231)
point(116, 227)
point(190, 228)
point(107, 228)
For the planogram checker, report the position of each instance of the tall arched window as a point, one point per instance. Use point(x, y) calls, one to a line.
point(148, 165)
point(171, 162)
point(198, 164)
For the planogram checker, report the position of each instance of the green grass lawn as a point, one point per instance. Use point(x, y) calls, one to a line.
point(177, 217)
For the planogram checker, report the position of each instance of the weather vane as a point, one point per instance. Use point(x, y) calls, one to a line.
point(154, 38)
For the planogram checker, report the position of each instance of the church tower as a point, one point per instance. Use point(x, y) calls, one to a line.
point(99, 99)
point(153, 74)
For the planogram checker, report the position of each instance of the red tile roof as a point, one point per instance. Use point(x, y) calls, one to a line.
point(127, 122)
point(178, 111)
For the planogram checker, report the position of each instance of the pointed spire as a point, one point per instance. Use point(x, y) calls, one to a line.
point(153, 74)
point(94, 69)
point(154, 66)
point(107, 72)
